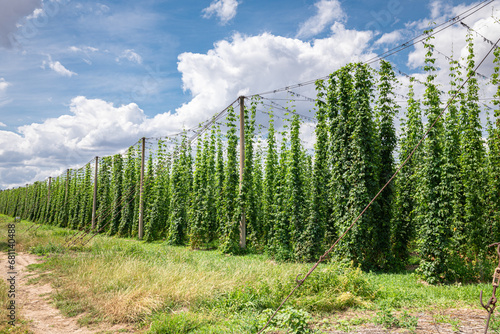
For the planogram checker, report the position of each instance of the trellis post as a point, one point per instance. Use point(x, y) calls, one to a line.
point(94, 203)
point(141, 191)
point(243, 228)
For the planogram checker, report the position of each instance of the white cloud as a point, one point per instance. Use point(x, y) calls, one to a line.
point(93, 127)
point(85, 49)
point(58, 68)
point(3, 85)
point(435, 7)
point(36, 13)
point(11, 12)
point(225, 10)
point(389, 38)
point(2, 125)
point(260, 63)
point(328, 11)
point(452, 40)
point(130, 55)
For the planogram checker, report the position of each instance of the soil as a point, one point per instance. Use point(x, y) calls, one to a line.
point(431, 321)
point(34, 302)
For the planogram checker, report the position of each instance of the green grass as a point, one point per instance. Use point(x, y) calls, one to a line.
point(406, 290)
point(166, 289)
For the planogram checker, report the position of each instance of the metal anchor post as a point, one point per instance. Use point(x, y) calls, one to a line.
point(491, 304)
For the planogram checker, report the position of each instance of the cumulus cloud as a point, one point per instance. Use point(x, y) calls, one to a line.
point(328, 11)
point(2, 125)
point(225, 10)
point(58, 68)
point(11, 12)
point(130, 55)
point(452, 40)
point(253, 64)
point(391, 37)
point(93, 127)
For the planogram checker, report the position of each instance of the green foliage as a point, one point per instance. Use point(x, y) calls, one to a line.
point(434, 234)
point(174, 323)
point(319, 210)
point(386, 110)
point(388, 320)
point(281, 244)
point(46, 249)
point(130, 189)
point(270, 183)
point(471, 164)
point(181, 183)
point(157, 219)
point(117, 180)
point(493, 193)
point(292, 320)
point(361, 175)
point(231, 214)
point(248, 196)
point(104, 193)
point(295, 207)
point(405, 204)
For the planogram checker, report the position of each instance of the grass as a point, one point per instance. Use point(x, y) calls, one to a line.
point(166, 289)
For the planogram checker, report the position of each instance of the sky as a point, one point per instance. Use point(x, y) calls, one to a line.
point(80, 79)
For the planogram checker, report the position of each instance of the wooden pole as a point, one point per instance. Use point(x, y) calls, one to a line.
point(94, 204)
point(47, 210)
point(65, 222)
point(48, 195)
point(243, 227)
point(141, 191)
point(66, 191)
point(25, 209)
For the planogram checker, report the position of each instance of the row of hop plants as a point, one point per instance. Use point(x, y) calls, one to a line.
point(442, 208)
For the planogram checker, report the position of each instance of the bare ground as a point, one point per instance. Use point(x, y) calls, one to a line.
point(431, 321)
point(34, 302)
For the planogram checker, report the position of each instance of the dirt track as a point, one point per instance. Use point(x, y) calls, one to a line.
point(432, 321)
point(34, 302)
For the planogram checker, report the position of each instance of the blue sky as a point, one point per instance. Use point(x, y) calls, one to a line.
point(86, 78)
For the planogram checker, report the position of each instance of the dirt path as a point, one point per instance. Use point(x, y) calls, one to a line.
point(464, 321)
point(34, 301)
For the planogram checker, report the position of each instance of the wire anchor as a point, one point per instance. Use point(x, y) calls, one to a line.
point(491, 304)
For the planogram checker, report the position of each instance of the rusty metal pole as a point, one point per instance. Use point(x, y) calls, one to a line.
point(94, 204)
point(243, 227)
point(141, 191)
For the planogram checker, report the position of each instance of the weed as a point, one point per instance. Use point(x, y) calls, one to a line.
point(387, 319)
point(175, 323)
point(446, 319)
point(46, 249)
point(494, 326)
point(293, 320)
